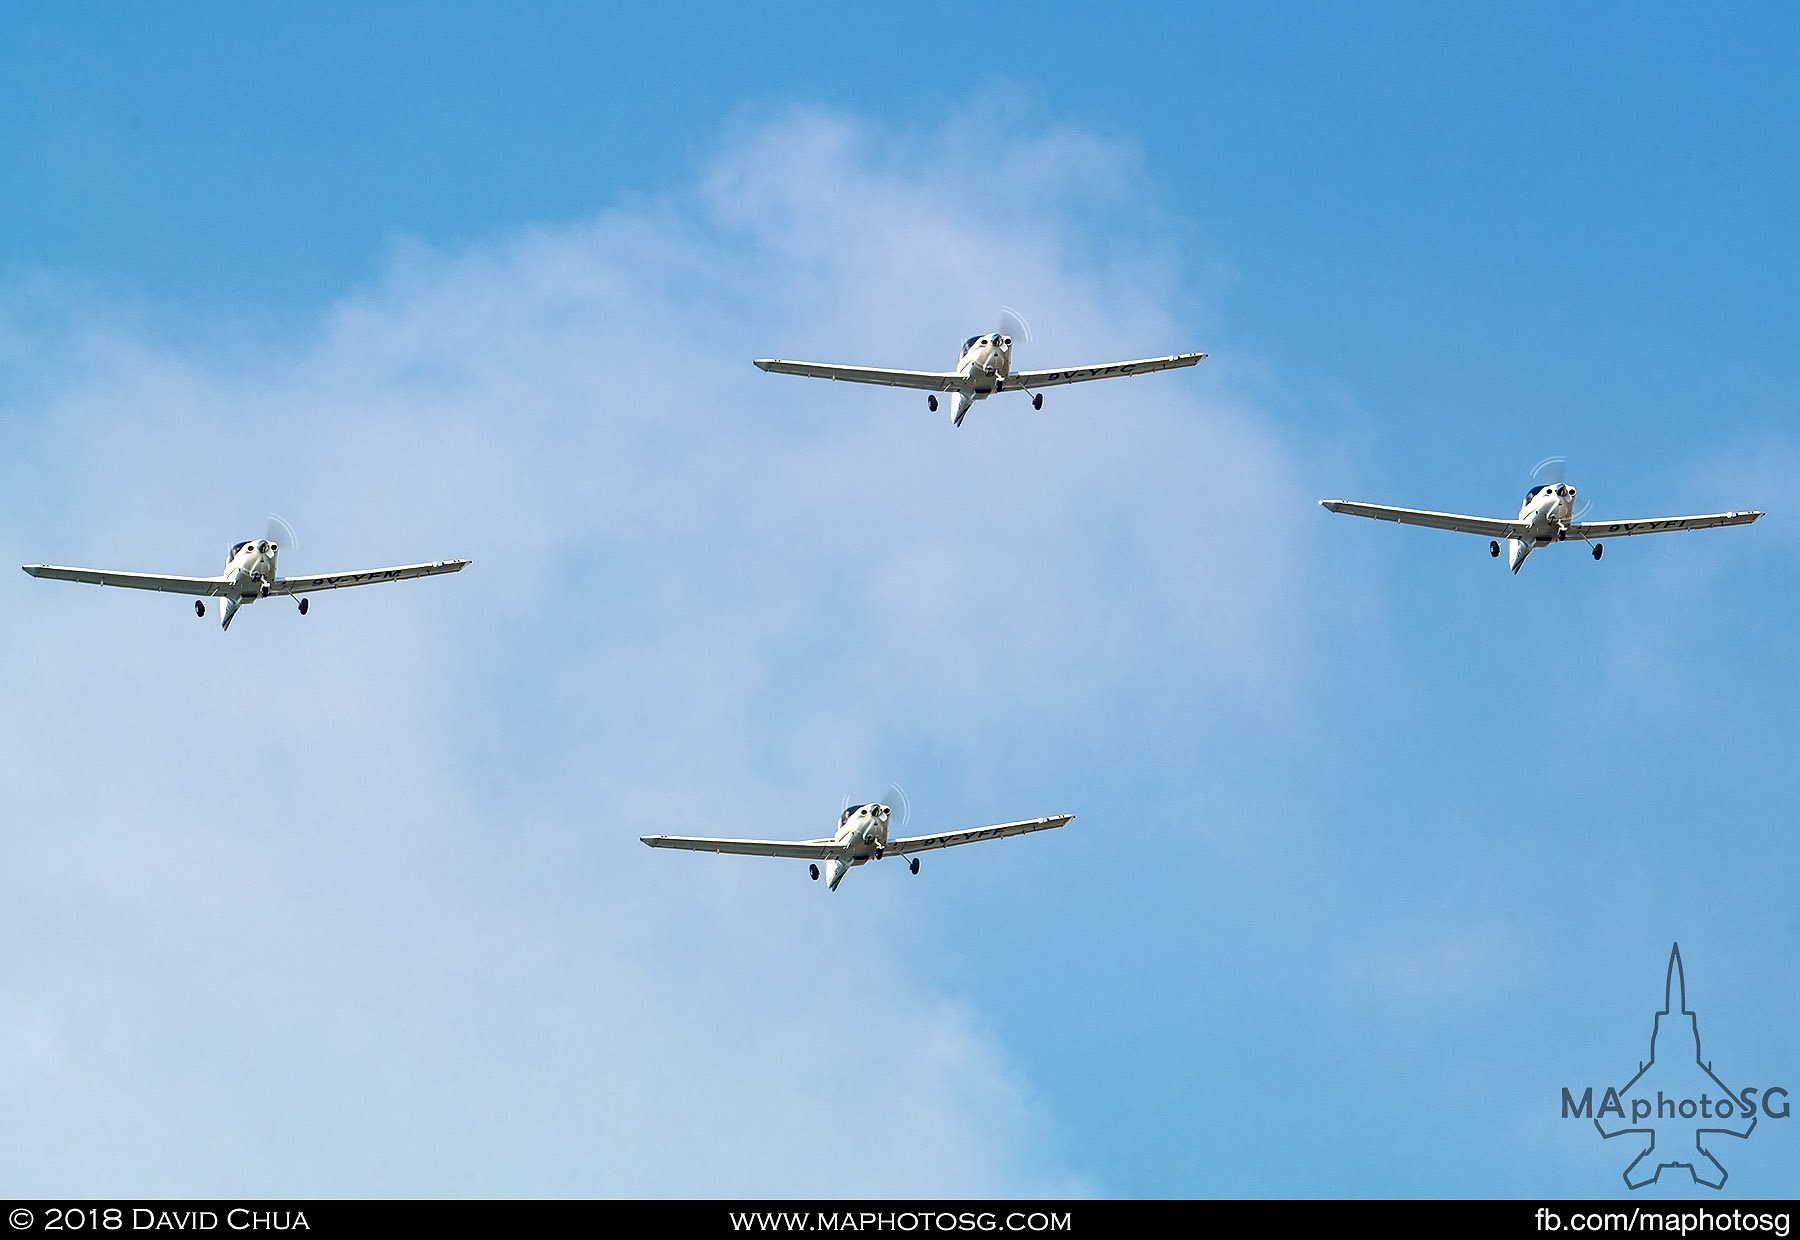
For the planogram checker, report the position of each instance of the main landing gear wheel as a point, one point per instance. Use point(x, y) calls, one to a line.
point(913, 864)
point(199, 608)
point(1596, 551)
point(1494, 549)
point(814, 871)
point(1037, 400)
point(303, 606)
point(931, 403)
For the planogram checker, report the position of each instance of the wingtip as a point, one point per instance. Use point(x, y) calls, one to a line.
point(763, 363)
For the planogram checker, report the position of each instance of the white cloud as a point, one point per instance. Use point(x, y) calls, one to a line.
point(352, 904)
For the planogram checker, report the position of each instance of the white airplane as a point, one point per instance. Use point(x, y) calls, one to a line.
point(862, 836)
point(1547, 516)
point(983, 367)
point(249, 575)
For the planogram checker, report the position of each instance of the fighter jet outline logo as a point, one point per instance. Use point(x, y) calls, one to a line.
point(1662, 1149)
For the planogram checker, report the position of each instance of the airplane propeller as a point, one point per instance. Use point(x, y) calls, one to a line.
point(899, 809)
point(899, 814)
point(1551, 471)
point(279, 532)
point(1013, 324)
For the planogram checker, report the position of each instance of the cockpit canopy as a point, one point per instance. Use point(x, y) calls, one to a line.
point(1557, 487)
point(264, 546)
point(849, 814)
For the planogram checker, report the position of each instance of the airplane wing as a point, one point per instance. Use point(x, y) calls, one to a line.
point(369, 577)
point(948, 839)
point(1658, 525)
point(1029, 379)
point(1487, 527)
point(204, 587)
point(805, 850)
point(924, 380)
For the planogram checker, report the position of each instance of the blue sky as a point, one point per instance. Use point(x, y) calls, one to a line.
point(1377, 846)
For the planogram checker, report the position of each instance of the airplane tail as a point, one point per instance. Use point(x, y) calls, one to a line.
point(1518, 549)
point(959, 407)
point(231, 606)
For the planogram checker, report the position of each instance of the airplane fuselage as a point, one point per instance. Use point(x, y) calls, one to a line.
point(1547, 513)
point(249, 572)
point(983, 367)
point(864, 829)
point(250, 567)
point(985, 364)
